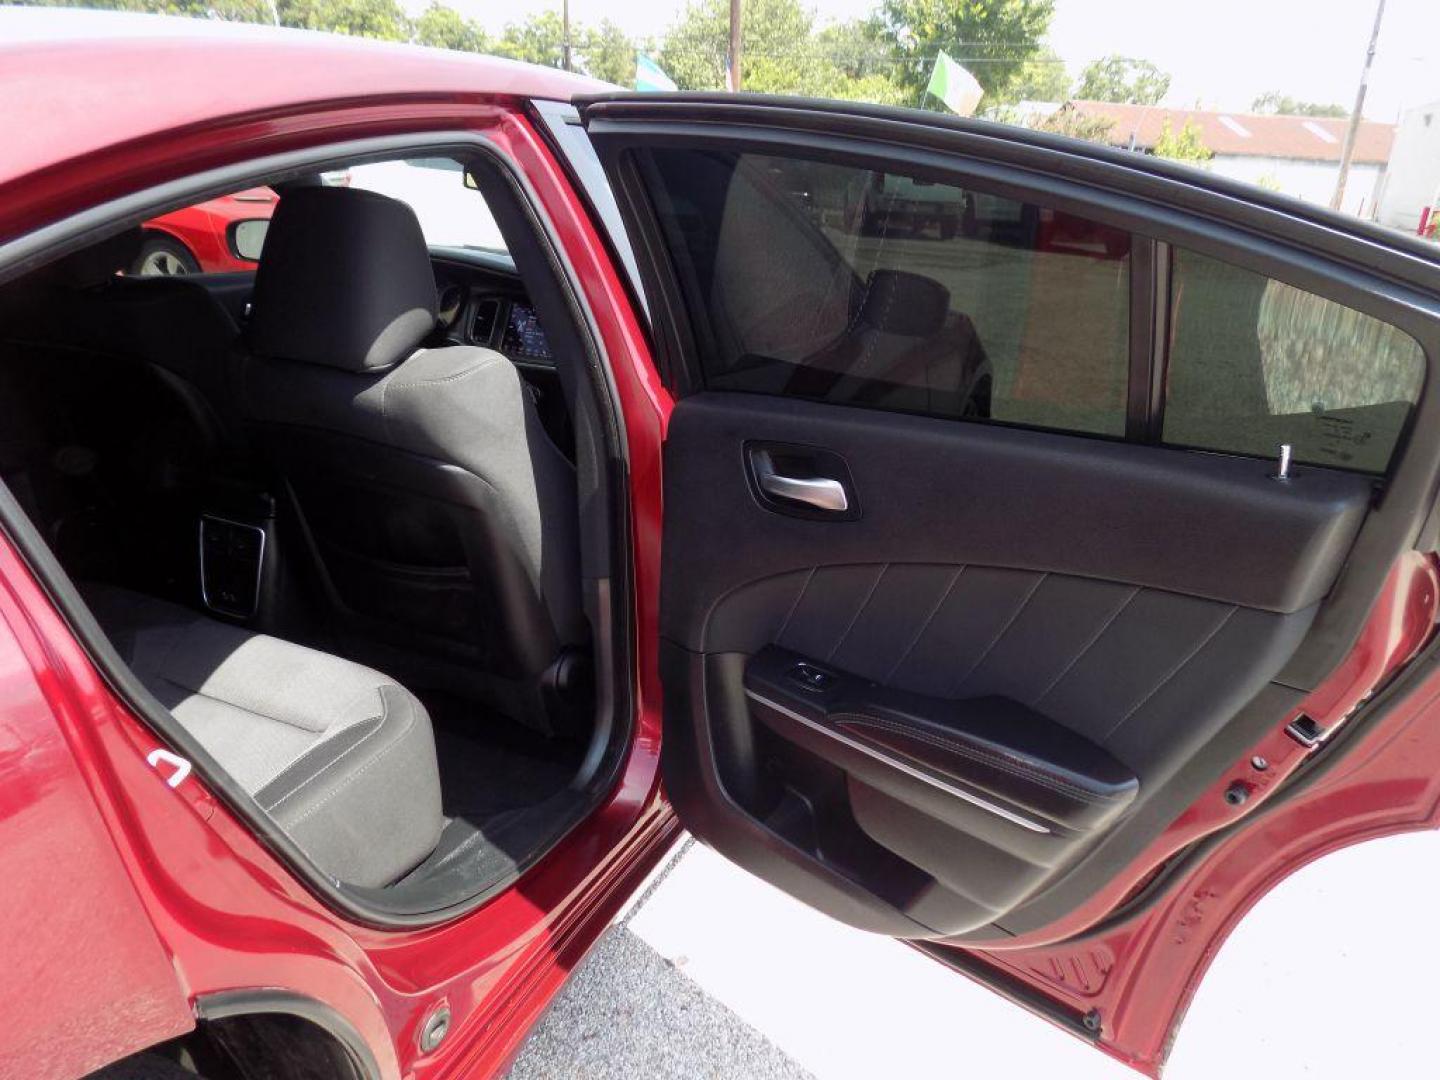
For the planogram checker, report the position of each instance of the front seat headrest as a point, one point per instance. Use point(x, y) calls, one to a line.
point(344, 280)
point(898, 302)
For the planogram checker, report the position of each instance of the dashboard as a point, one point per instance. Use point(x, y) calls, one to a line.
point(482, 305)
point(507, 325)
point(482, 301)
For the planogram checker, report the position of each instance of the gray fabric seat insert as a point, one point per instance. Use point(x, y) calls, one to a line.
point(341, 756)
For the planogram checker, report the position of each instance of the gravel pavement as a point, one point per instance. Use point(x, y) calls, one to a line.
point(628, 1013)
point(712, 974)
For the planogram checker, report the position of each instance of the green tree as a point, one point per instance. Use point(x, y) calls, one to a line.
point(608, 54)
point(384, 20)
point(442, 27)
point(783, 53)
point(777, 36)
point(538, 40)
point(257, 11)
point(1068, 120)
point(1187, 144)
point(1042, 78)
point(1124, 80)
point(992, 39)
point(877, 89)
point(1277, 104)
point(855, 47)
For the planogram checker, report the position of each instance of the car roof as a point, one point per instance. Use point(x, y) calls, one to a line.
point(74, 82)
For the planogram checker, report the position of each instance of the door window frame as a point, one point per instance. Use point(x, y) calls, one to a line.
point(1155, 230)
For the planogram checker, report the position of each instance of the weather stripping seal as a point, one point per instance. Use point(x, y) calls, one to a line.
point(908, 770)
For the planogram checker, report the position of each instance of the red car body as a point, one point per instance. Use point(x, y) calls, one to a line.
point(130, 909)
point(204, 229)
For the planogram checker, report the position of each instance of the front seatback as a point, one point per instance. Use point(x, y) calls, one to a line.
point(904, 349)
point(440, 513)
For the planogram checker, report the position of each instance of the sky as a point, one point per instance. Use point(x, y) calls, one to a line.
point(1223, 53)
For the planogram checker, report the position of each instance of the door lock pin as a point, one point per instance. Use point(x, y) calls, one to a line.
point(1282, 464)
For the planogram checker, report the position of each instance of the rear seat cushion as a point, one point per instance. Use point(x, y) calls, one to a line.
point(341, 756)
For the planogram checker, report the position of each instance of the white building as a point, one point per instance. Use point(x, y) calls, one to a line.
point(1412, 182)
point(1297, 155)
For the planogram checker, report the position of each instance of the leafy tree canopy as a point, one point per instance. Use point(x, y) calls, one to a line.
point(1124, 80)
point(1067, 120)
point(777, 35)
point(992, 39)
point(607, 53)
point(1277, 104)
point(538, 40)
point(443, 27)
point(1041, 78)
point(885, 58)
point(1183, 145)
point(384, 20)
point(257, 11)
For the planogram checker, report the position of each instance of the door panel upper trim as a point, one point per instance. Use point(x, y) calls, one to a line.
point(1165, 513)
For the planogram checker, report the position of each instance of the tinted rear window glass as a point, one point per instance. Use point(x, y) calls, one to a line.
point(1255, 363)
point(884, 290)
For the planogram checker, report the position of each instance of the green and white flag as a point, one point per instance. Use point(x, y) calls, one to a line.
point(955, 86)
point(650, 76)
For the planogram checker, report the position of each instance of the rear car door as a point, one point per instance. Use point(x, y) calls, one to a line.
point(1034, 515)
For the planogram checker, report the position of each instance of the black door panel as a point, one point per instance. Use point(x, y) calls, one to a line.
point(1097, 611)
point(990, 752)
point(1067, 590)
point(942, 492)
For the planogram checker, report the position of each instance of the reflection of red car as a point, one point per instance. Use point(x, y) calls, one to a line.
point(201, 238)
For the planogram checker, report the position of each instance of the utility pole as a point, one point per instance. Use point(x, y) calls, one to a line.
point(1347, 151)
point(565, 35)
point(734, 79)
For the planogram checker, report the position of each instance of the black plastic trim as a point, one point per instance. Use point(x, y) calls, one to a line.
point(1370, 247)
point(1013, 990)
point(1139, 404)
point(991, 752)
point(231, 1003)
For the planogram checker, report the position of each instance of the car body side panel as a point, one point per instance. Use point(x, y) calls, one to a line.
point(104, 80)
point(86, 979)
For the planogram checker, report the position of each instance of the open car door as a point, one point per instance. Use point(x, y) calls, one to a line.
point(1046, 559)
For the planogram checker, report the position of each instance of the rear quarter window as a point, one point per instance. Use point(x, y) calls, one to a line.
point(1254, 363)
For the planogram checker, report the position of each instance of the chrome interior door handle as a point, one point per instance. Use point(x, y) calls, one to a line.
point(821, 493)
